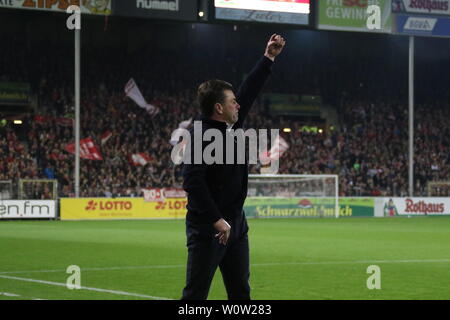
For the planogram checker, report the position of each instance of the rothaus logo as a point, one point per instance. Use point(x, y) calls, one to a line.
point(423, 207)
point(209, 147)
point(158, 5)
point(25, 208)
point(429, 5)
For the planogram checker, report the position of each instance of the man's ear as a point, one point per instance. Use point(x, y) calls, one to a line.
point(218, 108)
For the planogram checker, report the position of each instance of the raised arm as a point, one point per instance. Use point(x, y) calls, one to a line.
point(253, 84)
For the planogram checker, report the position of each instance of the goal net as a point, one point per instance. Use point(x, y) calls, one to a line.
point(6, 190)
point(439, 189)
point(273, 195)
point(35, 189)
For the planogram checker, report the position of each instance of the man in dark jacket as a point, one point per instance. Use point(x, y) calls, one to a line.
point(216, 226)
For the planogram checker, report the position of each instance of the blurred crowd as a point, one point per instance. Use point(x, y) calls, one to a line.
point(369, 150)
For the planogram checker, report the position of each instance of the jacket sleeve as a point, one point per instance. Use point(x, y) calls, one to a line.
point(199, 194)
point(251, 87)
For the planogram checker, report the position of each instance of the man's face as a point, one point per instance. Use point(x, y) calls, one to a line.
point(230, 107)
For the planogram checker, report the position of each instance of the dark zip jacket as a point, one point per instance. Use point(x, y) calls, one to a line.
point(216, 191)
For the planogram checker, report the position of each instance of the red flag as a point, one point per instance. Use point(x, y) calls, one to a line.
point(139, 159)
point(105, 137)
point(65, 122)
point(88, 150)
point(40, 119)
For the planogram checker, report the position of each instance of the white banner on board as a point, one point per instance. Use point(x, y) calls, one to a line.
point(389, 207)
point(27, 209)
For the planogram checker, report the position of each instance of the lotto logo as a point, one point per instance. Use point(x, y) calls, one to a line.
point(108, 205)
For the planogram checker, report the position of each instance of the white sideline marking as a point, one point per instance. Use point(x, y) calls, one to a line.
point(122, 293)
point(352, 262)
point(7, 294)
point(252, 265)
point(100, 269)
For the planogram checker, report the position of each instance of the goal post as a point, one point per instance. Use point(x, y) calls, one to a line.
point(33, 189)
point(292, 195)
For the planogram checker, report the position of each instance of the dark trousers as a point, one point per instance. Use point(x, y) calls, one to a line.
point(205, 254)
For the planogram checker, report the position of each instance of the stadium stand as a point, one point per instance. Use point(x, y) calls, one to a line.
point(368, 147)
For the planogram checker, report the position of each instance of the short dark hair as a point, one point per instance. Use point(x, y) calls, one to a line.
point(211, 92)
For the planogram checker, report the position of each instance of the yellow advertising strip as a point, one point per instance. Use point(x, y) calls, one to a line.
point(121, 208)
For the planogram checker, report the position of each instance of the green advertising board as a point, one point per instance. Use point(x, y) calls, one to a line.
point(351, 15)
point(14, 93)
point(258, 207)
point(292, 104)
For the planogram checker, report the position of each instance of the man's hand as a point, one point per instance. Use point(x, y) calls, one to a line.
point(224, 231)
point(274, 46)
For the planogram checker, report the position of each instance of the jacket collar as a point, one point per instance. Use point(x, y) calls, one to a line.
point(214, 123)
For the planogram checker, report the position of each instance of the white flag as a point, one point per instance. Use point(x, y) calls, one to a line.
point(278, 148)
point(177, 133)
point(132, 91)
point(139, 159)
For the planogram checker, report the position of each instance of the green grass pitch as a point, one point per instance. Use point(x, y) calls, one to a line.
point(290, 259)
